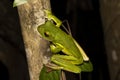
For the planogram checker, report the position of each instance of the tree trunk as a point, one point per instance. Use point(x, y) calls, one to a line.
point(31, 16)
point(110, 12)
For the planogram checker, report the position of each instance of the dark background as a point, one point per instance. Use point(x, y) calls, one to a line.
point(87, 30)
point(86, 26)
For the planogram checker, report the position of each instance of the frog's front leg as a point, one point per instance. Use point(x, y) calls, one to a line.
point(65, 62)
point(50, 16)
point(55, 48)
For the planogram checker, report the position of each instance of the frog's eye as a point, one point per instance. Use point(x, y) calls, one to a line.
point(47, 34)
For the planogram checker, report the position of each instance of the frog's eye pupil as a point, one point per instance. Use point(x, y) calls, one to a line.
point(46, 34)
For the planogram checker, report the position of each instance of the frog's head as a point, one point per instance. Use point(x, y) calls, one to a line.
point(47, 30)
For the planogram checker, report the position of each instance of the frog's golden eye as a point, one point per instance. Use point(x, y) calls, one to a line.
point(47, 34)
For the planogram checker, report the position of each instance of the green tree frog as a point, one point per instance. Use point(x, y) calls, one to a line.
point(73, 58)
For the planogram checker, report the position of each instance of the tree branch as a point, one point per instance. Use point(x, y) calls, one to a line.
point(31, 16)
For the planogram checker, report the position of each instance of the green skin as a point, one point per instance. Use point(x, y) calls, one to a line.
point(58, 22)
point(62, 42)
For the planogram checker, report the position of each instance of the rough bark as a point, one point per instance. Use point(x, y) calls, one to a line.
point(110, 12)
point(31, 16)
